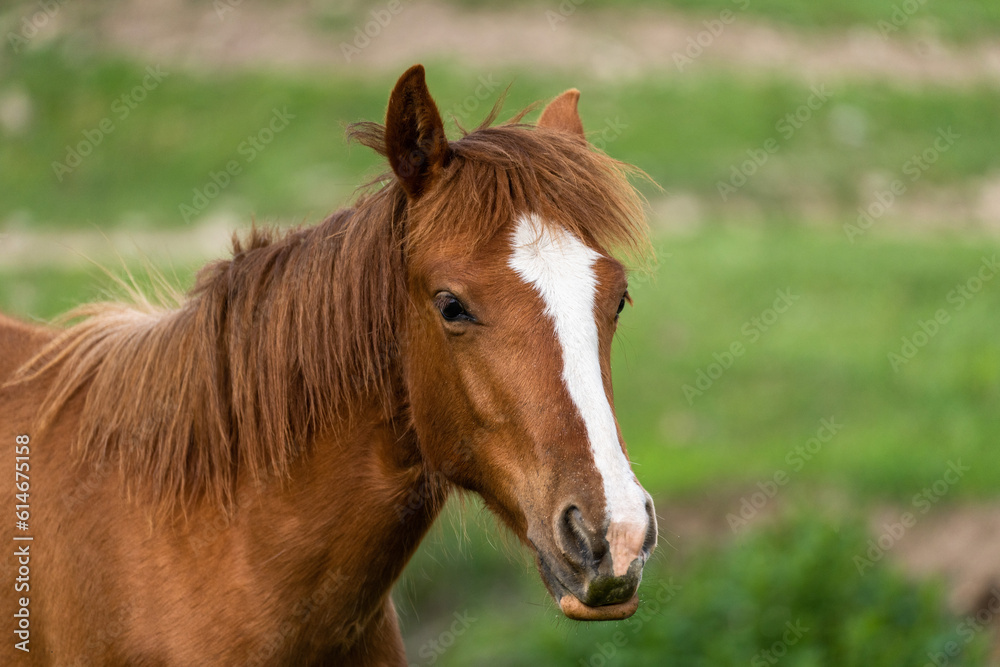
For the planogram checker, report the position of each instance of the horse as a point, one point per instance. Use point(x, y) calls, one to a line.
point(239, 478)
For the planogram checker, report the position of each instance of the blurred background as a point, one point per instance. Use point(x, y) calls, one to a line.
point(809, 380)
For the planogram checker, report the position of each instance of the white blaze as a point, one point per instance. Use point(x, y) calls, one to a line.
point(561, 268)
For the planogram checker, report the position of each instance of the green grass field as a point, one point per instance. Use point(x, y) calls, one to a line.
point(164, 163)
point(767, 343)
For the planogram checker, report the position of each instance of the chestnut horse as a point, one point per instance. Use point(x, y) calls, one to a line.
point(240, 480)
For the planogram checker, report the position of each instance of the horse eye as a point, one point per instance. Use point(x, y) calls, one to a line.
point(621, 304)
point(451, 308)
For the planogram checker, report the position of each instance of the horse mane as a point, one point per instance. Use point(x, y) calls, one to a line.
point(497, 173)
point(298, 331)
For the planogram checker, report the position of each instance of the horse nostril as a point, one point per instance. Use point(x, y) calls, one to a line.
point(649, 542)
point(577, 544)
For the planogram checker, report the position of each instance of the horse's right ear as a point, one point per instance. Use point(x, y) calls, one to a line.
point(414, 134)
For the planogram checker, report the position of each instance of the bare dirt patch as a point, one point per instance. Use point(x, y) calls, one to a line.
point(958, 545)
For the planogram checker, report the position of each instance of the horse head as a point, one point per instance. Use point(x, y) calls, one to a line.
point(513, 301)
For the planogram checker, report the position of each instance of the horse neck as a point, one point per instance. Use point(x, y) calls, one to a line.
point(344, 524)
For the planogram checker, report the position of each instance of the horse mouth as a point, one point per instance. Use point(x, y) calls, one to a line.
point(576, 610)
point(621, 604)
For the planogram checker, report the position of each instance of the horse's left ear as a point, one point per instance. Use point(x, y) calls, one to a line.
point(414, 134)
point(561, 114)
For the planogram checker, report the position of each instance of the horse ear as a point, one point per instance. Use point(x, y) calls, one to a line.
point(414, 134)
point(561, 114)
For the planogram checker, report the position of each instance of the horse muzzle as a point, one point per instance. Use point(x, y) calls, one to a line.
point(594, 574)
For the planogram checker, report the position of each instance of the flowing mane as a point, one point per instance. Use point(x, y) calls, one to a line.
point(300, 330)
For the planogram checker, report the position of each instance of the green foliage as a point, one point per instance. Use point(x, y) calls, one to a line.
point(787, 595)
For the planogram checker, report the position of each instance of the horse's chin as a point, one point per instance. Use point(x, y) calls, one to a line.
point(576, 610)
